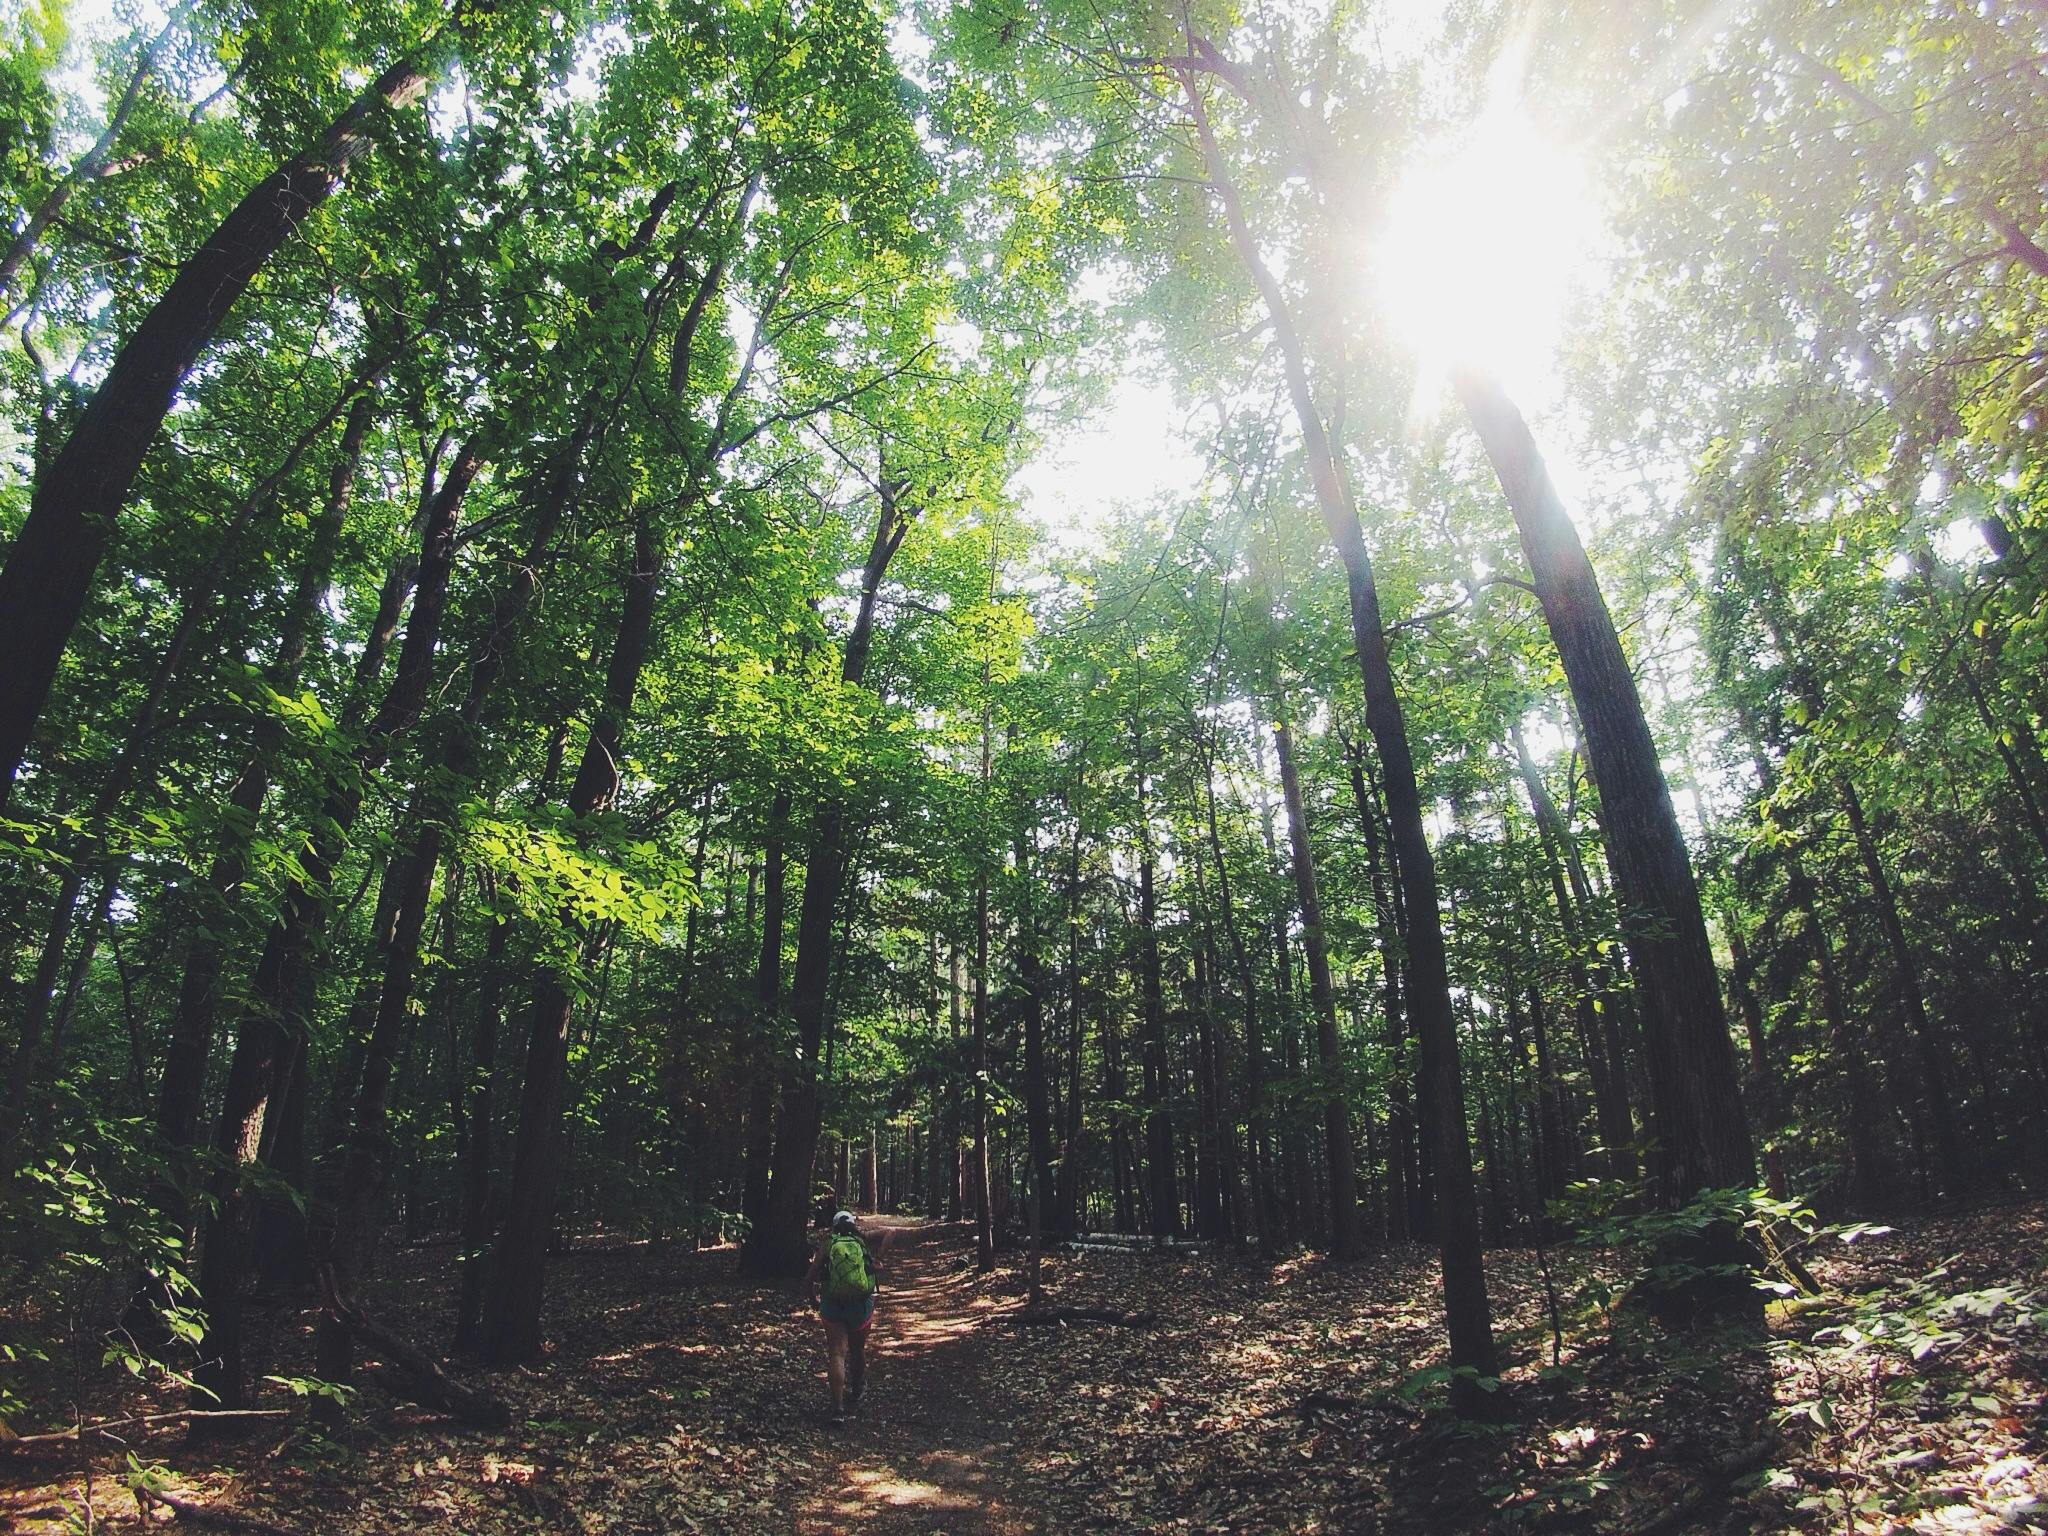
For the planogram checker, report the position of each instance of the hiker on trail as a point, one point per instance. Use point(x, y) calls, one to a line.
point(846, 1272)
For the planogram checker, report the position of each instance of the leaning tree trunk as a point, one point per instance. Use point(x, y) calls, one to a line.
point(1703, 1137)
point(1468, 1315)
point(50, 568)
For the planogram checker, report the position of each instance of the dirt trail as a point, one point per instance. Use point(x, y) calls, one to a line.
point(931, 1450)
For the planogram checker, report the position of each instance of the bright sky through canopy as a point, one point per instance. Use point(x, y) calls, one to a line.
point(1485, 245)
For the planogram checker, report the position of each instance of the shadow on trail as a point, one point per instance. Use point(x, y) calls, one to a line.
point(930, 1451)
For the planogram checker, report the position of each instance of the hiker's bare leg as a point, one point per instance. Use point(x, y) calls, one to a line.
point(835, 1363)
point(856, 1363)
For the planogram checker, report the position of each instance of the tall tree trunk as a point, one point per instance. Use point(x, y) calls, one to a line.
point(766, 1053)
point(1291, 1213)
point(49, 571)
point(1259, 1151)
point(1468, 1315)
point(984, 1195)
point(475, 1156)
point(1031, 979)
point(777, 1247)
point(1072, 1119)
point(511, 1327)
point(1610, 1085)
point(1911, 993)
point(1403, 1178)
point(1339, 1158)
point(956, 1162)
point(1703, 1139)
point(1163, 1195)
point(1866, 1163)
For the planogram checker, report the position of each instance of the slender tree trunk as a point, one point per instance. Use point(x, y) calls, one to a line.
point(474, 1162)
point(984, 1213)
point(1403, 1182)
point(511, 1325)
point(1911, 994)
point(1339, 1157)
point(1163, 1196)
point(1468, 1316)
point(1259, 1218)
point(192, 1028)
point(956, 1162)
point(1030, 976)
point(49, 572)
point(767, 1048)
point(1610, 1086)
point(777, 1248)
point(1072, 1119)
point(274, 1019)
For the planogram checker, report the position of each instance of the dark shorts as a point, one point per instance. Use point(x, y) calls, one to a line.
point(852, 1315)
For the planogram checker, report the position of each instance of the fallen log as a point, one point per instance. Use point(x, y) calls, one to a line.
point(417, 1376)
point(79, 1431)
point(1122, 1242)
point(1032, 1317)
point(1716, 1478)
point(211, 1516)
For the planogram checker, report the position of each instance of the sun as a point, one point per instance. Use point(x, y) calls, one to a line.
point(1487, 240)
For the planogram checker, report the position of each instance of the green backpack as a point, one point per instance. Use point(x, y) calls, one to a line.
point(849, 1271)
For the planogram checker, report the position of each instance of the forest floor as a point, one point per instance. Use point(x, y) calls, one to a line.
point(1247, 1396)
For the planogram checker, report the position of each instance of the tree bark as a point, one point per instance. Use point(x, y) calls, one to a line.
point(1403, 1178)
point(1259, 1152)
point(1911, 993)
point(478, 1149)
point(1037, 1095)
point(766, 1053)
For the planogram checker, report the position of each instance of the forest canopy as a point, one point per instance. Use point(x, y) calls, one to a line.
point(1291, 627)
